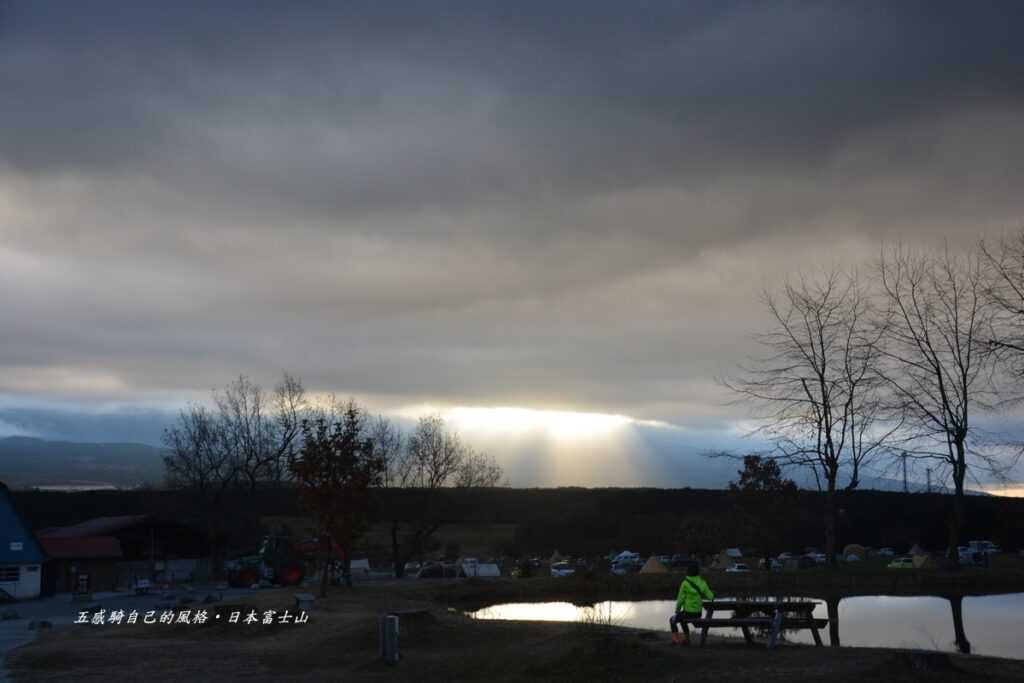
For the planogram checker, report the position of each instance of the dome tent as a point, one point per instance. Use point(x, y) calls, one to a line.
point(858, 551)
point(653, 566)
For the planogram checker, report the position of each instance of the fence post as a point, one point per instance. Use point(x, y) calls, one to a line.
point(773, 635)
point(389, 639)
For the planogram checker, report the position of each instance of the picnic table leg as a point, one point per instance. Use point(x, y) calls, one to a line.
point(814, 630)
point(704, 629)
point(748, 638)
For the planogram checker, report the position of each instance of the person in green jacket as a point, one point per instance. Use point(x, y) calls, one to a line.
point(693, 591)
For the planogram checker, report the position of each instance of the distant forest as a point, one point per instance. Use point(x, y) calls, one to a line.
point(581, 521)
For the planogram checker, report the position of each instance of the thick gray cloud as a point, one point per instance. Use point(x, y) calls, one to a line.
point(569, 205)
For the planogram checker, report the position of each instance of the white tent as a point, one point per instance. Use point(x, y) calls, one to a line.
point(485, 570)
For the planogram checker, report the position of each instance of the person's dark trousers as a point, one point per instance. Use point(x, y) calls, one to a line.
point(678, 619)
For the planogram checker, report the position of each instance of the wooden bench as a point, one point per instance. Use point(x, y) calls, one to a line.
point(775, 616)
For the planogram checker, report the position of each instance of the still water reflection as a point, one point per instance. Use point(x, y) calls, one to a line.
point(991, 623)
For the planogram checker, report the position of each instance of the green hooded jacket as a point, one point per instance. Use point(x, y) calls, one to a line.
point(693, 591)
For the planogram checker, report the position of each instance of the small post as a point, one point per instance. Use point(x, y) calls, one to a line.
point(389, 639)
point(773, 634)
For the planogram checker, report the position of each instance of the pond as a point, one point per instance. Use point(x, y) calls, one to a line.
point(991, 622)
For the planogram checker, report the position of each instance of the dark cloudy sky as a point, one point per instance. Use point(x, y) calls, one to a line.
point(550, 205)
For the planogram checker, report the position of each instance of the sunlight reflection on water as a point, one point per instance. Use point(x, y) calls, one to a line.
point(992, 622)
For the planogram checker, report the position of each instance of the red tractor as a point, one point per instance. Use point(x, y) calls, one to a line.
point(282, 561)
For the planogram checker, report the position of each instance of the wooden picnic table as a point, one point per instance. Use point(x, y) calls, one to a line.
point(772, 614)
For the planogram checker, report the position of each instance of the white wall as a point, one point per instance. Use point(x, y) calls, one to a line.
point(28, 584)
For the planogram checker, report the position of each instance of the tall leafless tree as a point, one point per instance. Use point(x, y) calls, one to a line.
point(1004, 293)
point(938, 362)
point(199, 462)
point(291, 407)
point(433, 458)
point(389, 445)
point(261, 431)
point(816, 387)
point(478, 470)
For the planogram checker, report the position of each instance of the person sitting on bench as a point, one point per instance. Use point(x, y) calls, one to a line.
point(693, 591)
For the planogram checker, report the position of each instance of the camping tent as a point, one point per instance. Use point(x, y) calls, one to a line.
point(924, 562)
point(653, 566)
point(857, 551)
point(727, 558)
point(918, 550)
point(556, 557)
point(482, 570)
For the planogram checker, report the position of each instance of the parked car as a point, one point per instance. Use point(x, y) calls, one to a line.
point(886, 552)
point(785, 556)
point(902, 563)
point(430, 571)
point(985, 547)
point(562, 569)
point(738, 568)
point(819, 558)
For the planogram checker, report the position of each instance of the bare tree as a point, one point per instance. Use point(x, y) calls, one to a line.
point(244, 418)
point(1004, 293)
point(938, 365)
point(291, 408)
point(434, 458)
point(199, 462)
point(816, 387)
point(478, 470)
point(434, 455)
point(261, 431)
point(387, 439)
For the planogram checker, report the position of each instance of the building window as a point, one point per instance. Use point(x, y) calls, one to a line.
point(9, 574)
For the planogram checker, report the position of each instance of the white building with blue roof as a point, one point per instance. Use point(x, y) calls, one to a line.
point(21, 557)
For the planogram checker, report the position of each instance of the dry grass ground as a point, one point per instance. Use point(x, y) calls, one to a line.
point(339, 643)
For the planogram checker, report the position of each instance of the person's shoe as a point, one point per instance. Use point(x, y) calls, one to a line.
point(676, 639)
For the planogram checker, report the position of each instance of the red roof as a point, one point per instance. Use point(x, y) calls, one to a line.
point(81, 548)
point(98, 526)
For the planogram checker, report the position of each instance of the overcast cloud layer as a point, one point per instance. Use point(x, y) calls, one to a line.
point(564, 205)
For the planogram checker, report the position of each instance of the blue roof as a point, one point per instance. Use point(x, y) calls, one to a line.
point(17, 544)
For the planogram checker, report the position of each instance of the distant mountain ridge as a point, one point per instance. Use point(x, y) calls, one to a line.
point(27, 462)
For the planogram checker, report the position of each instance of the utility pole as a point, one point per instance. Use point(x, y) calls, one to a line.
point(903, 456)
